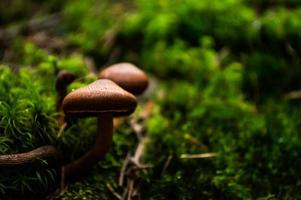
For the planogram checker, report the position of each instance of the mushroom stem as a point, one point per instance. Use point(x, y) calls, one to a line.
point(97, 152)
point(60, 98)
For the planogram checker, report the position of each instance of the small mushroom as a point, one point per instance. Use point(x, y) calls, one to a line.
point(63, 79)
point(102, 99)
point(127, 76)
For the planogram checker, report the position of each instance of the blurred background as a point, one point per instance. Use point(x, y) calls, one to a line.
point(223, 115)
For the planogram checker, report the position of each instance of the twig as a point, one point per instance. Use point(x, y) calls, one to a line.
point(125, 192)
point(62, 129)
point(118, 196)
point(141, 167)
point(202, 155)
point(148, 109)
point(132, 164)
point(294, 95)
point(137, 128)
point(135, 192)
point(166, 164)
point(122, 171)
point(129, 170)
point(137, 156)
point(139, 152)
point(130, 189)
point(195, 141)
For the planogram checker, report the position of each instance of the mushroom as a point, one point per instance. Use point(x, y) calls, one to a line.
point(63, 79)
point(127, 76)
point(102, 99)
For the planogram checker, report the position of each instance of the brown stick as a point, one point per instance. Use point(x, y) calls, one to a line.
point(167, 163)
point(43, 152)
point(122, 172)
point(118, 196)
point(202, 155)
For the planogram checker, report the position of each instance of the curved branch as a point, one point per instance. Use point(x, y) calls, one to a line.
point(43, 152)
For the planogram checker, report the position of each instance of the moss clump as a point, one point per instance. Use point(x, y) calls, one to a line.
point(29, 120)
point(226, 74)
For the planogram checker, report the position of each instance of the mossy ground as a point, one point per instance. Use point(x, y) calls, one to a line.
point(225, 80)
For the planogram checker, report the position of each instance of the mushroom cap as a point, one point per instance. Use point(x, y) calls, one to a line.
point(99, 97)
point(127, 76)
point(63, 79)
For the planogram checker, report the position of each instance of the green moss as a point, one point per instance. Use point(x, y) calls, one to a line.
point(223, 71)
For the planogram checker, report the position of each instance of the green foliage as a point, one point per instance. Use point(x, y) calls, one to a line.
point(28, 119)
point(88, 21)
point(25, 114)
point(27, 122)
point(224, 69)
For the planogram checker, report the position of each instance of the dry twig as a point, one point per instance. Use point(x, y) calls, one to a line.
point(294, 95)
point(113, 191)
point(130, 189)
point(132, 165)
point(122, 172)
point(167, 163)
point(202, 155)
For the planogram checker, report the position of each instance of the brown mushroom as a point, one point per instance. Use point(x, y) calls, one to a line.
point(63, 79)
point(127, 76)
point(101, 98)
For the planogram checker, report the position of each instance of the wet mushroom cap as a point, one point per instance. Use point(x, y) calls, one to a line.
point(127, 76)
point(99, 97)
